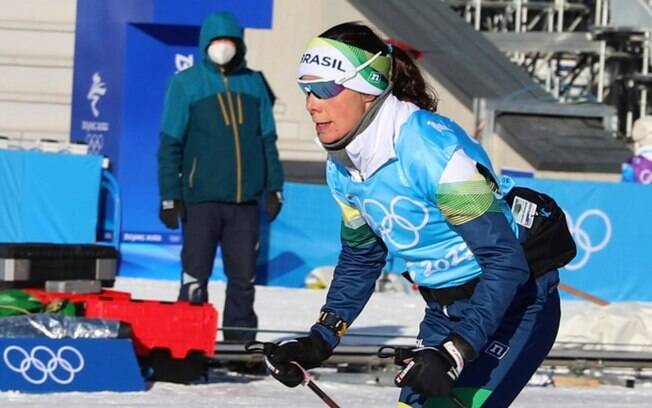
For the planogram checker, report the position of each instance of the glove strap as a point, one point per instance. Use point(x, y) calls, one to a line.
point(463, 347)
point(457, 360)
point(167, 204)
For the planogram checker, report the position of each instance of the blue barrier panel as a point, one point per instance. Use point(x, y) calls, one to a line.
point(48, 197)
point(611, 225)
point(48, 365)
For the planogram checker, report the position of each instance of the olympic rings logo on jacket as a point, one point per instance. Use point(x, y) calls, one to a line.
point(392, 220)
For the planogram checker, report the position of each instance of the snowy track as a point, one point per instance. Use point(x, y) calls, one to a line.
point(291, 309)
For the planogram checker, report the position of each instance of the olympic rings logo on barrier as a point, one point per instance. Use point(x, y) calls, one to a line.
point(391, 220)
point(37, 371)
point(583, 239)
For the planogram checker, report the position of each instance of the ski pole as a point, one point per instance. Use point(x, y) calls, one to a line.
point(318, 391)
point(321, 394)
point(257, 347)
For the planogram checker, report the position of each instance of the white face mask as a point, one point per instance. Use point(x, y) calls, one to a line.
point(221, 52)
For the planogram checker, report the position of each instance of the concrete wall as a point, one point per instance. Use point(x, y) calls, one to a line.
point(36, 57)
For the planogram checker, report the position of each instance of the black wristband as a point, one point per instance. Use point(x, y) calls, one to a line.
point(333, 322)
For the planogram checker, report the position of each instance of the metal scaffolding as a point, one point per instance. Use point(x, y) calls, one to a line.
point(578, 50)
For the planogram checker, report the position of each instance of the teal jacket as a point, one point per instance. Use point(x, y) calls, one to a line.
point(218, 138)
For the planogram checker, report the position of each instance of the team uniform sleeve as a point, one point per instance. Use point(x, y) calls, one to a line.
point(170, 153)
point(467, 200)
point(359, 265)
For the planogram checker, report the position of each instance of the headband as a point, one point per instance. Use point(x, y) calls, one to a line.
point(333, 60)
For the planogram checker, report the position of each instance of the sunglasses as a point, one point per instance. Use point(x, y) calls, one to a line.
point(328, 89)
point(320, 88)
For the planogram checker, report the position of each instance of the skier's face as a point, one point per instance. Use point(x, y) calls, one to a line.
point(335, 117)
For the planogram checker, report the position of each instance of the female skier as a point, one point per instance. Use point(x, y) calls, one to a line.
point(412, 183)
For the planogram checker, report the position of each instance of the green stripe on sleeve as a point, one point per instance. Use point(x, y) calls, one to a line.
point(464, 201)
point(357, 237)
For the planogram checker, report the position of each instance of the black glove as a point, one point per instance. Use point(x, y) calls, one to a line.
point(170, 212)
point(433, 370)
point(308, 351)
point(273, 204)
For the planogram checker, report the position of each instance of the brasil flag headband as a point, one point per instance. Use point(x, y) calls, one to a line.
point(350, 66)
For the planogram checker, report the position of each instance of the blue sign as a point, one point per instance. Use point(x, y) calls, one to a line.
point(49, 365)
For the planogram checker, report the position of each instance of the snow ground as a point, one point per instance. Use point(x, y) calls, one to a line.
point(295, 309)
point(270, 394)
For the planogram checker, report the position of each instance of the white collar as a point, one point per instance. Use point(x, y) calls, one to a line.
point(374, 147)
point(645, 151)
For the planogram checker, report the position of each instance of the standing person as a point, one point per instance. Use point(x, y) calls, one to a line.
point(638, 169)
point(216, 158)
point(412, 183)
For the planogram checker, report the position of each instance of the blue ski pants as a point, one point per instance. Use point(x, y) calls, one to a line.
point(511, 355)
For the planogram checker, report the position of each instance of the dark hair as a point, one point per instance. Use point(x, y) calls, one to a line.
point(409, 84)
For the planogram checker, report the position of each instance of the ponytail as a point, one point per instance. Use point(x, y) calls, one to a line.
point(409, 85)
point(408, 82)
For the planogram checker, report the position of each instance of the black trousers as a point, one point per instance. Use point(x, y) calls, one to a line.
point(233, 227)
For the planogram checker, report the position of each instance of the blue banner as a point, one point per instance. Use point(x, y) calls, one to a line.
point(611, 226)
point(609, 221)
point(48, 365)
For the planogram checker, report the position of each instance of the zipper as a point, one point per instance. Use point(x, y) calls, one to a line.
point(240, 115)
point(236, 138)
point(193, 169)
point(225, 115)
